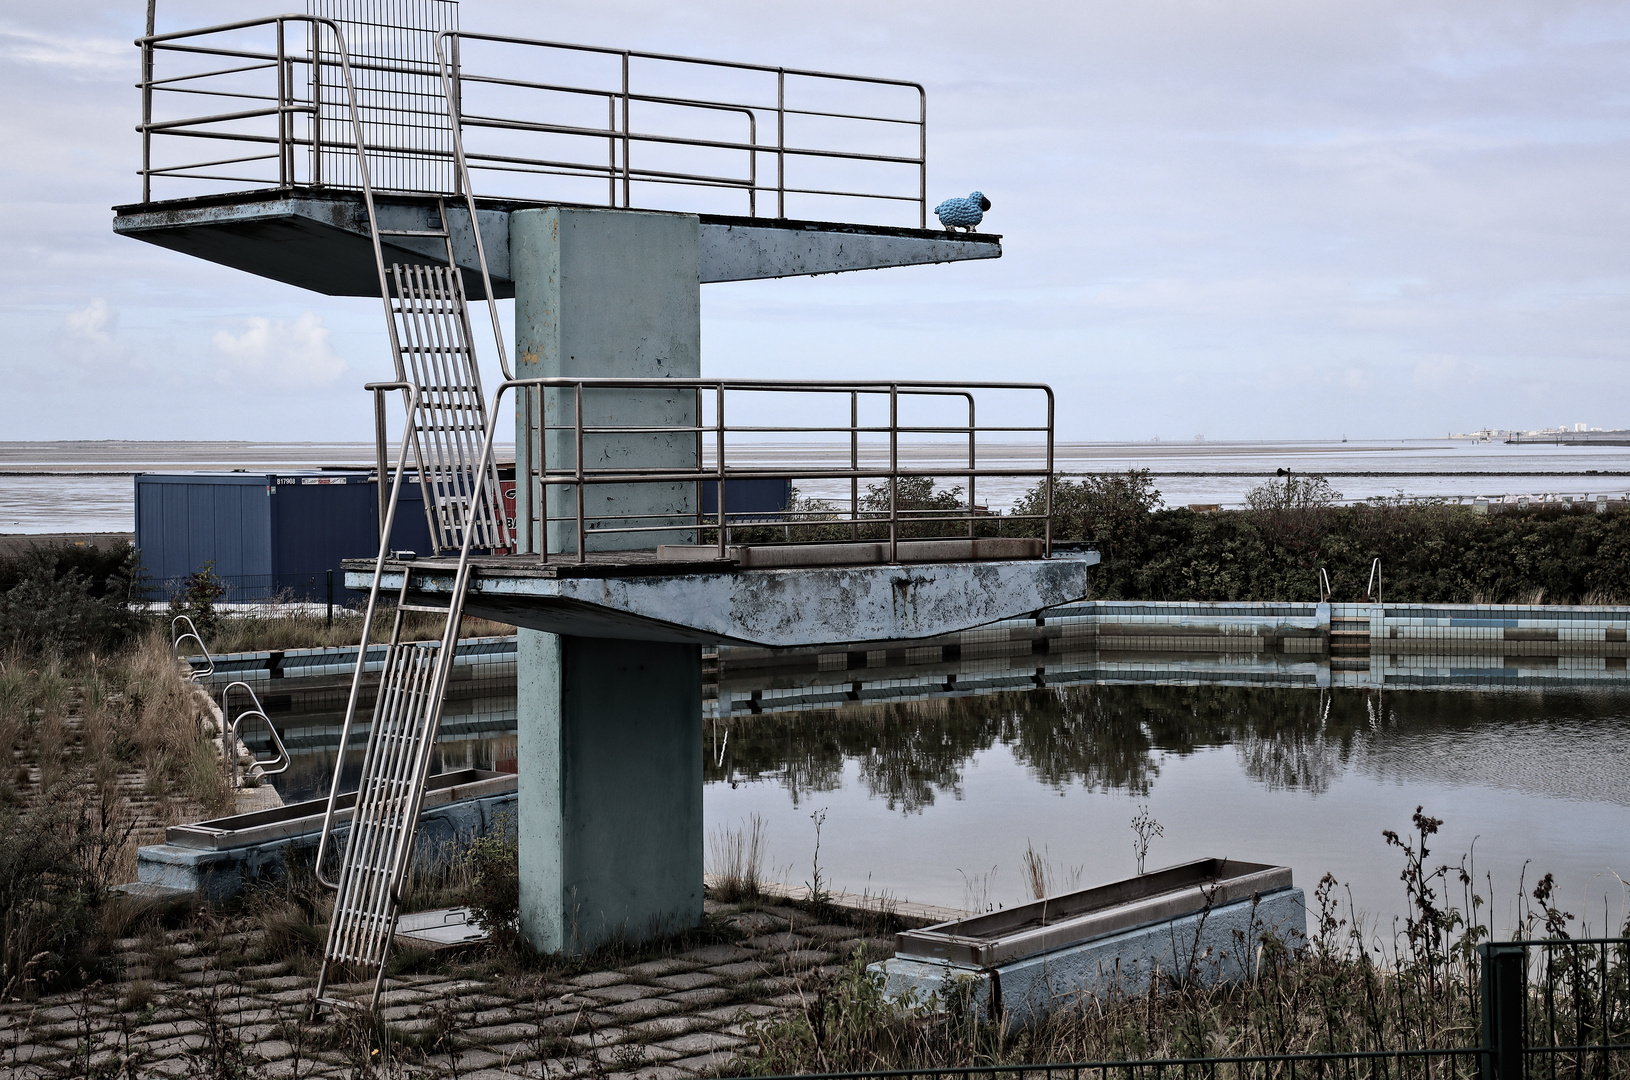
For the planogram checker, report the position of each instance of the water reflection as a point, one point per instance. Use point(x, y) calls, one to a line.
point(1112, 738)
point(921, 791)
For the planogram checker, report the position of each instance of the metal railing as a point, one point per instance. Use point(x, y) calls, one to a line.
point(181, 630)
point(1555, 1008)
point(278, 762)
point(586, 481)
point(1370, 1065)
point(599, 126)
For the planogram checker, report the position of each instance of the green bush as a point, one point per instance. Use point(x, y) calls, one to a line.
point(1430, 553)
point(67, 599)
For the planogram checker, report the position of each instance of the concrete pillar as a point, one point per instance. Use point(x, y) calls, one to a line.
point(610, 754)
point(610, 293)
point(610, 757)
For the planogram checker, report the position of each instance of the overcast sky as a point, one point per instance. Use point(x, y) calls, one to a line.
point(1272, 219)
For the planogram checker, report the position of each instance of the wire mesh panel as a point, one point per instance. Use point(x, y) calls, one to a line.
point(400, 101)
point(433, 339)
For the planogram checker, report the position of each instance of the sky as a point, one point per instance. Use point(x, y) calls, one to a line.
point(1260, 219)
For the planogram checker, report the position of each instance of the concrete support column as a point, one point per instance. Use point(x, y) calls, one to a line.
point(610, 757)
point(610, 752)
point(609, 294)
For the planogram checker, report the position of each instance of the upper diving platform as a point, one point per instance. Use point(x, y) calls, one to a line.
point(262, 140)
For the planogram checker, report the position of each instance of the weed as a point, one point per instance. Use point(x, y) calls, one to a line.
point(737, 857)
point(1144, 829)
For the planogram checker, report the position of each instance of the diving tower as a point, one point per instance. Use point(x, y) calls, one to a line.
point(614, 184)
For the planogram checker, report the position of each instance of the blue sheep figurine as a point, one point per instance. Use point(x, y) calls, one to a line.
point(962, 214)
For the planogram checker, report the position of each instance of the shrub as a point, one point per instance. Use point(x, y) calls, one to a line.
point(68, 600)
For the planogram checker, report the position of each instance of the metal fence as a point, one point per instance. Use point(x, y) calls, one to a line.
point(1551, 1009)
point(1456, 1064)
point(624, 462)
point(264, 103)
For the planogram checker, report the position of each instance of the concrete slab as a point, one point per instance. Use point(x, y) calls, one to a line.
point(318, 240)
point(804, 606)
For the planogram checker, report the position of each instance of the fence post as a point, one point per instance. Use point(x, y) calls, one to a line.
point(1504, 992)
point(330, 598)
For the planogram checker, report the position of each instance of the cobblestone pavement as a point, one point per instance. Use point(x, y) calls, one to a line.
point(195, 1003)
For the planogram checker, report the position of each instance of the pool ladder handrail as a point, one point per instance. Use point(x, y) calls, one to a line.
point(1324, 586)
point(1373, 589)
point(193, 674)
point(229, 734)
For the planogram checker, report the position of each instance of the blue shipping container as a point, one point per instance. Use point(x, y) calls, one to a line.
point(270, 535)
point(748, 499)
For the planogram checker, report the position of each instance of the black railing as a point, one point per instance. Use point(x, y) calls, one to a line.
point(1551, 1009)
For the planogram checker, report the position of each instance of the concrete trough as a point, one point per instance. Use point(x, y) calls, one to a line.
point(1202, 919)
point(219, 859)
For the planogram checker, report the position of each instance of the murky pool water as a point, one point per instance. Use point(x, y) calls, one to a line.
point(936, 800)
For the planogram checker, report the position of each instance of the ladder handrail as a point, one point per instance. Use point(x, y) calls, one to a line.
point(229, 737)
point(193, 674)
point(453, 110)
point(410, 392)
point(1374, 587)
point(1324, 586)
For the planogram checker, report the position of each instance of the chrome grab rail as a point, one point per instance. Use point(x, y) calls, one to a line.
point(283, 81)
point(1324, 586)
point(229, 736)
point(536, 472)
point(191, 631)
point(410, 393)
point(1373, 589)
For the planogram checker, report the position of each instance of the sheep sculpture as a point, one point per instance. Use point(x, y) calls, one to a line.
point(962, 214)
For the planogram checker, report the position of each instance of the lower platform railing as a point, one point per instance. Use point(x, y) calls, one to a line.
point(631, 464)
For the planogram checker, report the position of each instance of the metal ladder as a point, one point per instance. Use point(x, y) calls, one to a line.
point(448, 430)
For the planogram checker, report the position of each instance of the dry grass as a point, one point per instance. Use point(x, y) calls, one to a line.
point(101, 754)
point(736, 859)
point(296, 626)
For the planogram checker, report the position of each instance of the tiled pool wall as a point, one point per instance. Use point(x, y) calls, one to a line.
point(1103, 641)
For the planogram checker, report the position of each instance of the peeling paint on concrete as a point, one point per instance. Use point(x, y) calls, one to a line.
point(806, 606)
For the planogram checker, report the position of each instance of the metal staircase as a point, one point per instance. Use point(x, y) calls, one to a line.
point(447, 430)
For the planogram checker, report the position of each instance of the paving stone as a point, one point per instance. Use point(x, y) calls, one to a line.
point(828, 932)
point(600, 978)
point(643, 1009)
point(622, 992)
point(805, 958)
point(499, 1032)
point(795, 918)
point(787, 1001)
point(718, 954)
point(502, 1015)
point(632, 1055)
point(784, 942)
point(757, 922)
point(695, 999)
point(731, 1013)
point(473, 1058)
point(653, 968)
point(606, 1036)
point(701, 1042)
point(274, 1049)
point(655, 1072)
point(666, 1027)
point(744, 969)
point(707, 1064)
point(709, 907)
point(690, 980)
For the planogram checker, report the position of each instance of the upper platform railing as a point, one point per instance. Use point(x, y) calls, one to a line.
point(262, 104)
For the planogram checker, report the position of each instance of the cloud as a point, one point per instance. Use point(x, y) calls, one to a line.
point(87, 336)
point(280, 353)
point(75, 53)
